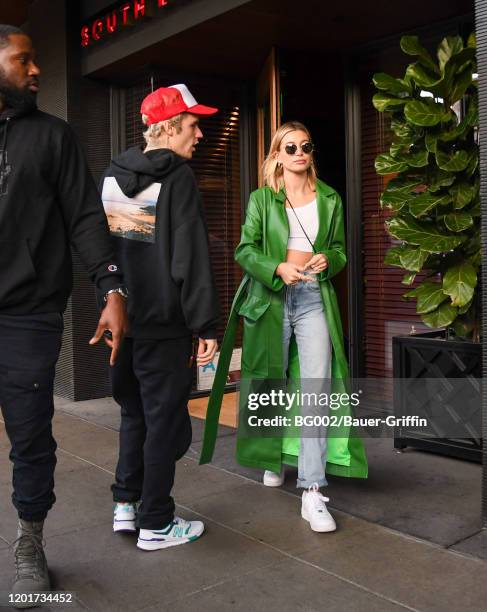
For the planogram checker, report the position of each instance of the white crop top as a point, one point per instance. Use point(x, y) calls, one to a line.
point(308, 215)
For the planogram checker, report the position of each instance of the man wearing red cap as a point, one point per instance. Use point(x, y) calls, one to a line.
point(155, 214)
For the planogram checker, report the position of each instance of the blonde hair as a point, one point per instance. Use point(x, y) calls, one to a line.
point(155, 131)
point(272, 169)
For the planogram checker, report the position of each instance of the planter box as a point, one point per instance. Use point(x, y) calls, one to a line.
point(427, 356)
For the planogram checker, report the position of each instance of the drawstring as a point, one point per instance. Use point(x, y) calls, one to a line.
point(3, 161)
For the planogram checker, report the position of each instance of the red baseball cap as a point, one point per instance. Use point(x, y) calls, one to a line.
point(166, 102)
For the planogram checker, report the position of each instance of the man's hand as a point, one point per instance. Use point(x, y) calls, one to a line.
point(206, 351)
point(291, 273)
point(317, 263)
point(113, 319)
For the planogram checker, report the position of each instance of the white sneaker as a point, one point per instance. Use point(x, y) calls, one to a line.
point(124, 518)
point(313, 510)
point(177, 532)
point(271, 479)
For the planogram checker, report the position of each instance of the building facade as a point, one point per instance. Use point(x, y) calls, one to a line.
point(262, 62)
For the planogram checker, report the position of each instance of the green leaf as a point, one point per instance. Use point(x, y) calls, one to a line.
point(428, 295)
point(385, 164)
point(472, 41)
point(406, 185)
point(424, 234)
point(411, 46)
point(391, 84)
point(462, 326)
point(423, 77)
point(427, 113)
point(408, 278)
point(382, 102)
point(405, 131)
point(442, 317)
point(459, 283)
point(461, 84)
point(430, 140)
point(398, 193)
point(397, 149)
point(440, 179)
point(412, 259)
point(417, 160)
point(449, 46)
point(462, 194)
point(473, 161)
point(458, 221)
point(425, 202)
point(407, 257)
point(468, 122)
point(392, 257)
point(473, 245)
point(461, 60)
point(476, 210)
point(476, 259)
point(456, 162)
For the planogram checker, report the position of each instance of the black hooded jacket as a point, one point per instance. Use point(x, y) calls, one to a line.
point(48, 202)
point(155, 215)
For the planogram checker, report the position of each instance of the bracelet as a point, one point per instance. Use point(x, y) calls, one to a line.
point(120, 290)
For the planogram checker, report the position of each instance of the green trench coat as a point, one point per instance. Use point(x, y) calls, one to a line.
point(259, 300)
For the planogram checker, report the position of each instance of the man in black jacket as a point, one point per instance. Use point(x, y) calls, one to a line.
point(48, 201)
point(154, 211)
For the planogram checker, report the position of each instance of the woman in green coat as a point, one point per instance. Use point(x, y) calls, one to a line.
point(292, 245)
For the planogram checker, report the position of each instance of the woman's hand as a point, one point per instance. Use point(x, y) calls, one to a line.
point(317, 263)
point(291, 273)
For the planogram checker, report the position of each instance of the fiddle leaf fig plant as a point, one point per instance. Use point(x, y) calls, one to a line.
point(433, 181)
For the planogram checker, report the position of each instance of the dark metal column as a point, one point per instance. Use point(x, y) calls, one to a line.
point(354, 221)
point(481, 30)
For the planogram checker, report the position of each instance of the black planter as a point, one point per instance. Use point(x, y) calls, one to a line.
point(431, 356)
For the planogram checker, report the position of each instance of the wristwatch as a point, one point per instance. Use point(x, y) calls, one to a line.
point(120, 290)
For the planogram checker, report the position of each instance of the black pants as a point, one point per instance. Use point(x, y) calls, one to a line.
point(29, 349)
point(151, 381)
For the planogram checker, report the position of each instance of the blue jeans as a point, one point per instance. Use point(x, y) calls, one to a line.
point(304, 316)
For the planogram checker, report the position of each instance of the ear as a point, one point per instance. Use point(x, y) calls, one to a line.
point(168, 128)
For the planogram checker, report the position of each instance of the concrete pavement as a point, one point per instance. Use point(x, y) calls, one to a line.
point(257, 553)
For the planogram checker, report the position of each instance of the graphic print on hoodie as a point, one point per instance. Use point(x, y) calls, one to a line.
point(131, 218)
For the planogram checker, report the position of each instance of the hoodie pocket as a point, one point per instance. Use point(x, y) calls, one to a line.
point(16, 272)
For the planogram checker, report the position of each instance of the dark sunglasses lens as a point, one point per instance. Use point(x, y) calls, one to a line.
point(307, 147)
point(291, 149)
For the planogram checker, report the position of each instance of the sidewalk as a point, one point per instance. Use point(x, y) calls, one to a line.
point(257, 553)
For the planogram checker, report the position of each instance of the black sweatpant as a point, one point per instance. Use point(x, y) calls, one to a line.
point(151, 381)
point(29, 349)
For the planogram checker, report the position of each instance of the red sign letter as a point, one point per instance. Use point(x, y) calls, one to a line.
point(139, 8)
point(97, 29)
point(161, 3)
point(85, 36)
point(125, 9)
point(111, 22)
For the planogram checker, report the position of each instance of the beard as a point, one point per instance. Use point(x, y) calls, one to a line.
point(19, 99)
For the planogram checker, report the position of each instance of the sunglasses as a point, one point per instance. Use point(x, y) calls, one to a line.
point(306, 147)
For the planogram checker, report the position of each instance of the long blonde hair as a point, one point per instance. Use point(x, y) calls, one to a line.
point(272, 169)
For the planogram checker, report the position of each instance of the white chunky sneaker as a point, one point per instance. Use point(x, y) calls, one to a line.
point(124, 518)
point(313, 510)
point(271, 479)
point(177, 532)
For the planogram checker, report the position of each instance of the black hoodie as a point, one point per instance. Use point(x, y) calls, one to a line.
point(155, 215)
point(48, 202)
